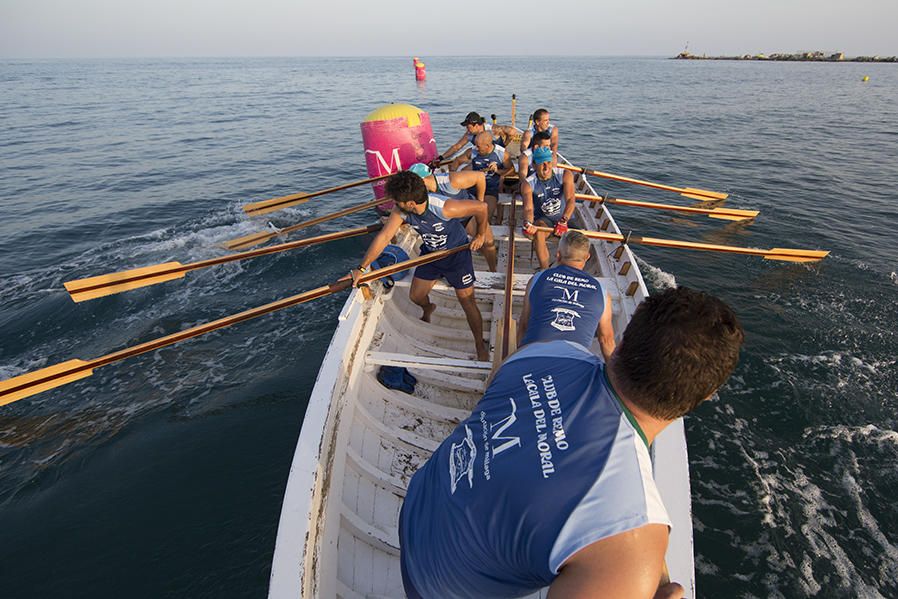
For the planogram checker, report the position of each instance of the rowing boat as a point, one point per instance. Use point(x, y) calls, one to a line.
point(361, 442)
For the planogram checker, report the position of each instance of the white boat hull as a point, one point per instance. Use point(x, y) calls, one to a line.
point(361, 442)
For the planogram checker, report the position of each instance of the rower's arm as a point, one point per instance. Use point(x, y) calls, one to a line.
point(507, 165)
point(523, 165)
point(525, 139)
point(465, 208)
point(605, 330)
point(466, 179)
point(456, 147)
point(382, 239)
point(554, 145)
point(570, 200)
point(527, 200)
point(628, 564)
point(460, 160)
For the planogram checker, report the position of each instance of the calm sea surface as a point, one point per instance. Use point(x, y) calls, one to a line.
point(162, 476)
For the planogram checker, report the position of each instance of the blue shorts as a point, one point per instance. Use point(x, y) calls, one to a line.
point(457, 269)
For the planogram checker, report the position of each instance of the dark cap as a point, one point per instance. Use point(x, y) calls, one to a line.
point(473, 119)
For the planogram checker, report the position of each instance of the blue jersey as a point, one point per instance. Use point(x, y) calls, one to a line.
point(549, 462)
point(565, 303)
point(534, 131)
point(445, 187)
point(480, 162)
point(437, 231)
point(548, 196)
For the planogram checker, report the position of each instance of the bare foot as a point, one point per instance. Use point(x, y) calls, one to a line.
point(428, 311)
point(483, 354)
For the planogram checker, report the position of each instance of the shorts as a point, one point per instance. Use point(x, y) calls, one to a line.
point(457, 269)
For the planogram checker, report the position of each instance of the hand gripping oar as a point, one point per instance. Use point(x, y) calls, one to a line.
point(72, 370)
point(784, 254)
point(248, 241)
point(135, 278)
point(266, 206)
point(721, 213)
point(689, 192)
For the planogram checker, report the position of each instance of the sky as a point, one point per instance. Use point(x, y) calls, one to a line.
point(162, 28)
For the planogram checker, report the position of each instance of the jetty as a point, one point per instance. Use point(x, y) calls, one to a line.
point(816, 56)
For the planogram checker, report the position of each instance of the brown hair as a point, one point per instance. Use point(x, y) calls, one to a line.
point(406, 186)
point(679, 347)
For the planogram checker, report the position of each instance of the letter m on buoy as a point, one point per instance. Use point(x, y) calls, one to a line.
point(384, 167)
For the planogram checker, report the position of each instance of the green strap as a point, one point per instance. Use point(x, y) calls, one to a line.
point(625, 410)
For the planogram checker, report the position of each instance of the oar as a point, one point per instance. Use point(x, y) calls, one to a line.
point(72, 370)
point(266, 206)
point(507, 317)
point(785, 254)
point(135, 278)
point(248, 241)
point(721, 213)
point(689, 192)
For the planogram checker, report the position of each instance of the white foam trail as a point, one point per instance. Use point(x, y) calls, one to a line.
point(656, 277)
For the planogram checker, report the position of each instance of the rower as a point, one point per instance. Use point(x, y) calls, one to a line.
point(544, 193)
point(525, 164)
point(490, 158)
point(549, 481)
point(566, 303)
point(474, 124)
point(541, 123)
point(437, 219)
point(458, 186)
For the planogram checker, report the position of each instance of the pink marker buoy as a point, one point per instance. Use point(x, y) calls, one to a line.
point(396, 136)
point(420, 70)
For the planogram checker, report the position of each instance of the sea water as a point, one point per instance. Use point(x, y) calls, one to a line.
point(163, 475)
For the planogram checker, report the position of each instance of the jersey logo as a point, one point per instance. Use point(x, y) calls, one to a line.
point(568, 295)
point(461, 461)
point(564, 319)
point(551, 206)
point(498, 430)
point(434, 242)
point(438, 227)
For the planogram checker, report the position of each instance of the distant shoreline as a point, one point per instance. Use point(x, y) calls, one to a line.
point(797, 57)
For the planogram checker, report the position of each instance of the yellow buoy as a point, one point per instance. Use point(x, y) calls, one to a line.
point(866, 78)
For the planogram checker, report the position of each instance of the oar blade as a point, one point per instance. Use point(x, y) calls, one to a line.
point(248, 241)
point(733, 214)
point(100, 286)
point(790, 255)
point(703, 194)
point(32, 383)
point(274, 204)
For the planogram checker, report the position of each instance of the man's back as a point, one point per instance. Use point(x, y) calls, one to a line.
point(548, 463)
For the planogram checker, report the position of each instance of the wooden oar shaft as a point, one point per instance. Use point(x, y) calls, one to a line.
point(656, 206)
point(263, 236)
point(47, 378)
point(775, 254)
point(84, 287)
point(273, 204)
point(509, 284)
point(685, 190)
